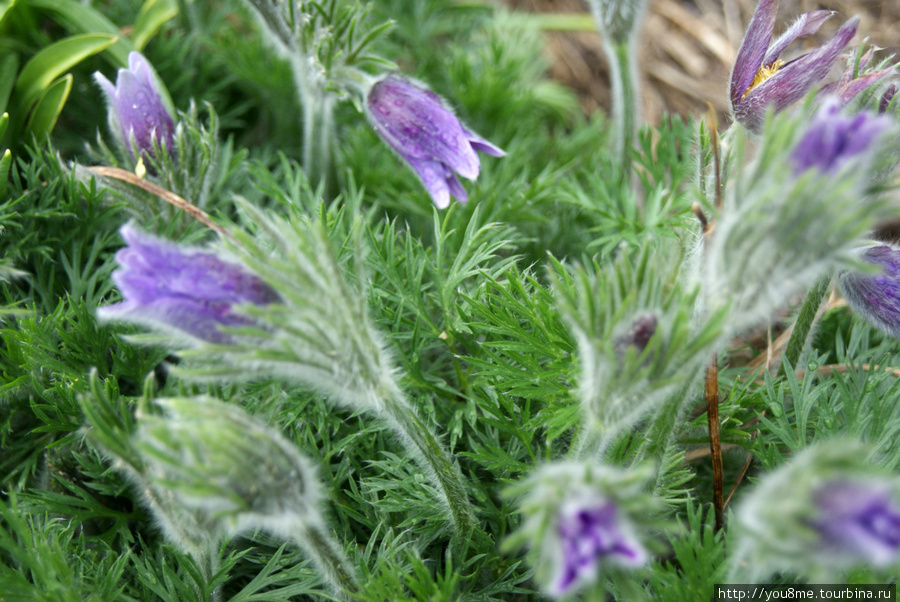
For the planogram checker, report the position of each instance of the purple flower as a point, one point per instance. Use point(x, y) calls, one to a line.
point(188, 290)
point(760, 80)
point(135, 106)
point(638, 335)
point(591, 534)
point(834, 138)
point(876, 296)
point(416, 123)
point(855, 78)
point(858, 522)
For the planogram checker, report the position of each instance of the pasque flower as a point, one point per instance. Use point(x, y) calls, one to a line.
point(136, 109)
point(858, 522)
point(834, 138)
point(417, 124)
point(593, 532)
point(181, 289)
point(876, 296)
point(760, 80)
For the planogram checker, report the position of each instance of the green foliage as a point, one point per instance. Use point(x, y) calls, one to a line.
point(488, 318)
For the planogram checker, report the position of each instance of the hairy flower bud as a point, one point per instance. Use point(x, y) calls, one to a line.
point(580, 521)
point(189, 291)
point(833, 138)
point(417, 124)
point(137, 114)
point(876, 297)
point(827, 509)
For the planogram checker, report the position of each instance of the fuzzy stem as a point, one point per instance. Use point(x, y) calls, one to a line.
point(328, 557)
point(804, 323)
point(318, 131)
point(592, 442)
point(662, 428)
point(625, 97)
point(436, 460)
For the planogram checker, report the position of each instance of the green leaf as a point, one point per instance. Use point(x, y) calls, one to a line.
point(5, 5)
point(80, 18)
point(5, 163)
point(9, 66)
point(4, 121)
point(48, 108)
point(52, 62)
point(152, 16)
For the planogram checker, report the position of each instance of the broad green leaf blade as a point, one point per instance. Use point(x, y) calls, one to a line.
point(9, 67)
point(5, 5)
point(52, 62)
point(48, 108)
point(152, 16)
point(80, 18)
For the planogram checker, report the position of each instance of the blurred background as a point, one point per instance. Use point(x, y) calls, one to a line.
point(688, 46)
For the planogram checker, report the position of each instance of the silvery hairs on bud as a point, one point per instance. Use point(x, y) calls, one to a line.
point(828, 509)
point(637, 339)
point(581, 520)
point(218, 462)
point(785, 223)
point(617, 19)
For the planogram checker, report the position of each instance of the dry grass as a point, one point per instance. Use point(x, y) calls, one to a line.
point(688, 46)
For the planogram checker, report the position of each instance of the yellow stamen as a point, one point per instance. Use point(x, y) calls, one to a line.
point(762, 75)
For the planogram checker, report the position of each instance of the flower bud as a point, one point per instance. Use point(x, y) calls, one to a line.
point(827, 509)
point(417, 124)
point(580, 520)
point(876, 297)
point(181, 289)
point(137, 114)
point(833, 138)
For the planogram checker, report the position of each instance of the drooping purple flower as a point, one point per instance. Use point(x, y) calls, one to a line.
point(591, 534)
point(135, 106)
point(188, 290)
point(858, 522)
point(642, 329)
point(833, 138)
point(876, 296)
point(760, 80)
point(417, 124)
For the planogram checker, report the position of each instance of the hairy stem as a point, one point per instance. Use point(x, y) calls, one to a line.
point(625, 99)
point(435, 459)
point(804, 323)
point(328, 557)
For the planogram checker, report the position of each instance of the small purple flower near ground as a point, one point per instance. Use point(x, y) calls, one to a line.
point(760, 80)
point(416, 123)
point(135, 106)
point(834, 138)
point(876, 296)
point(858, 522)
point(590, 535)
point(181, 289)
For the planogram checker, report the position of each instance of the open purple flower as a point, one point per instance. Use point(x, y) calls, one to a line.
point(416, 123)
point(182, 289)
point(834, 138)
point(591, 534)
point(760, 80)
point(858, 522)
point(136, 109)
point(876, 296)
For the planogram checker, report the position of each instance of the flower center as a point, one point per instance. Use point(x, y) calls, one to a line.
point(764, 73)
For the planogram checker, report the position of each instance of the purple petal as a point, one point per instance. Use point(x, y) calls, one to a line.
point(851, 89)
point(806, 25)
point(481, 145)
point(859, 520)
point(418, 127)
point(185, 289)
point(753, 49)
point(794, 80)
point(876, 296)
point(432, 175)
